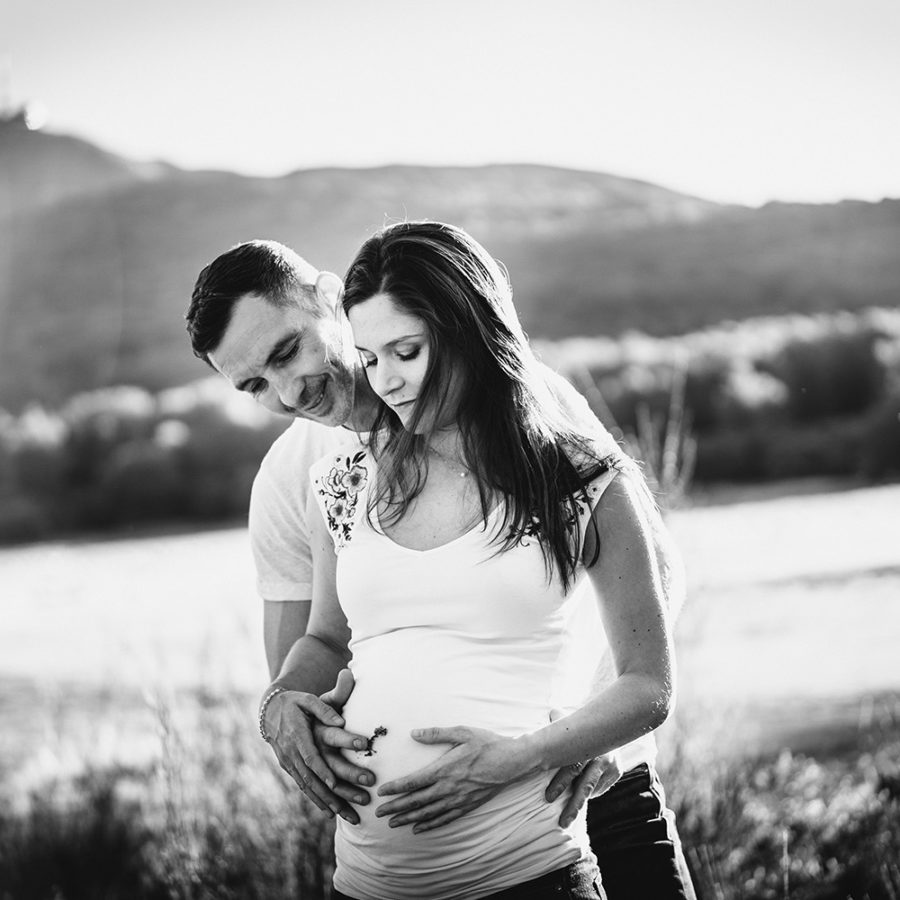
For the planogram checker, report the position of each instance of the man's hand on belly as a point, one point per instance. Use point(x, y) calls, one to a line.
point(478, 766)
point(307, 734)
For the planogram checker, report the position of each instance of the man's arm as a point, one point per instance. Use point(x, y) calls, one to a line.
point(305, 733)
point(280, 540)
point(283, 624)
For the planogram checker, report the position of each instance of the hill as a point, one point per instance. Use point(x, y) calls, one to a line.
point(99, 254)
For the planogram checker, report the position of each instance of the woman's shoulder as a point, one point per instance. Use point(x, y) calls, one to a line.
point(340, 483)
point(594, 456)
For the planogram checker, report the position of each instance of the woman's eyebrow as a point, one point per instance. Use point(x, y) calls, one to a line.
point(399, 340)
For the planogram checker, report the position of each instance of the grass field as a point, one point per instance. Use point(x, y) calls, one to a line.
point(117, 655)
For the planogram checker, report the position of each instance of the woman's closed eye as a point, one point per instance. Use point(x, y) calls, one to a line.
point(403, 355)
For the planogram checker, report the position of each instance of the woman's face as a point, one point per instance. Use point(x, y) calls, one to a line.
point(395, 349)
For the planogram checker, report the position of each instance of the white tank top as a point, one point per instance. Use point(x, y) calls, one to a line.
point(455, 635)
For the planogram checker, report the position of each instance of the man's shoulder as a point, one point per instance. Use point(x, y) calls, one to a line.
point(302, 443)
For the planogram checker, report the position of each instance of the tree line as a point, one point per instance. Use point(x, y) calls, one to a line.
point(761, 400)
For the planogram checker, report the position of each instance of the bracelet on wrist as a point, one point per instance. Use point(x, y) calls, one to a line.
point(262, 711)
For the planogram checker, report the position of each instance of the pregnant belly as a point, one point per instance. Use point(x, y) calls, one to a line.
point(385, 707)
point(418, 684)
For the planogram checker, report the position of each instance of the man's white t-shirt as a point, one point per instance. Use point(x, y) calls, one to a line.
point(279, 531)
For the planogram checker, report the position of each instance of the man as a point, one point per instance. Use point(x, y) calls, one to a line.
point(270, 323)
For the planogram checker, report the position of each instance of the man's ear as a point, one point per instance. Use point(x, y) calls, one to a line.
point(330, 289)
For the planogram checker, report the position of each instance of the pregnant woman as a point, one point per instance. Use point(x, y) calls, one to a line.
point(447, 553)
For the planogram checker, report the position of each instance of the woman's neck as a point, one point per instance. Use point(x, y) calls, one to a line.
point(447, 443)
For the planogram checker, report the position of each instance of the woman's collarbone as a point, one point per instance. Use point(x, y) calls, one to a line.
point(437, 516)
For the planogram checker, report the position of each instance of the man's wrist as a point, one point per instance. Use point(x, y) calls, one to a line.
point(271, 694)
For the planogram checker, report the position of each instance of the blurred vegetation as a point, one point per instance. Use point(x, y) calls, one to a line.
point(764, 399)
point(760, 400)
point(213, 817)
point(823, 826)
point(122, 456)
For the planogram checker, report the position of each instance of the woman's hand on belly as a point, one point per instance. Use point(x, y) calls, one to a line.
point(479, 764)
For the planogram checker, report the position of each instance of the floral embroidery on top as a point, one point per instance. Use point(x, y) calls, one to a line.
point(533, 528)
point(582, 505)
point(340, 489)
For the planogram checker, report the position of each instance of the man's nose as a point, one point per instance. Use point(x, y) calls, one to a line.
point(285, 388)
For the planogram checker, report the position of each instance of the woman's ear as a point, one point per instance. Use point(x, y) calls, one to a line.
point(330, 290)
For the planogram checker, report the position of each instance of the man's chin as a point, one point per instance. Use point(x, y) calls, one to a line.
point(330, 413)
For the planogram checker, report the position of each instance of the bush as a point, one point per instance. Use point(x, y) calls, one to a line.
point(766, 399)
point(23, 519)
point(772, 398)
point(78, 840)
point(143, 482)
point(881, 440)
point(121, 456)
point(837, 374)
point(792, 825)
point(214, 819)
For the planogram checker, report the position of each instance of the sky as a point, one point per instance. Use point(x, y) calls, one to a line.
point(741, 101)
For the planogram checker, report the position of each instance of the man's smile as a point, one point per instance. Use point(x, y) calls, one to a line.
point(312, 398)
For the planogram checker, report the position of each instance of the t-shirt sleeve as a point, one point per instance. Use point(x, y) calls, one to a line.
point(279, 536)
point(279, 529)
point(617, 464)
point(593, 491)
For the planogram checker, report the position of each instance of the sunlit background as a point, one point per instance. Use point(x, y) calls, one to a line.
point(699, 206)
point(733, 101)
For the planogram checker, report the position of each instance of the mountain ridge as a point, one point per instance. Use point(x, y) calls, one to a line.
point(99, 254)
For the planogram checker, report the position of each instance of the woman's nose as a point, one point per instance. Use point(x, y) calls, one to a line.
point(386, 381)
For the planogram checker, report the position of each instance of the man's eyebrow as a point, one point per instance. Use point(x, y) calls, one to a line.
point(279, 347)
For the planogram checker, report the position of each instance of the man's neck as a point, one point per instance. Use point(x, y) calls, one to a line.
point(366, 405)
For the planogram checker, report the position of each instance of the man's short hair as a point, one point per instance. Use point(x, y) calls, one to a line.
point(266, 268)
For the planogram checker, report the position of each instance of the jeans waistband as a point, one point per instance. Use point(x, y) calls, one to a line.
point(559, 880)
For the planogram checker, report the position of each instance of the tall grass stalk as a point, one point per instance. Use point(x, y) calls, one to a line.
point(662, 442)
point(214, 817)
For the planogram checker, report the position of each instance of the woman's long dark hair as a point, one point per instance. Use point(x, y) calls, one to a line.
point(522, 448)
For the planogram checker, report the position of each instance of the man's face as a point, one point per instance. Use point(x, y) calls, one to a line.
point(291, 361)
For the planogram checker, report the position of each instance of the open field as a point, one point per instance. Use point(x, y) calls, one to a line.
point(129, 671)
point(794, 611)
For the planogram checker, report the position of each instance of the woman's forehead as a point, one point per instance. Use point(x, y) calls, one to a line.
point(379, 318)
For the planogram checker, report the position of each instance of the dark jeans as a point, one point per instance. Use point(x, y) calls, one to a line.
point(580, 881)
point(634, 837)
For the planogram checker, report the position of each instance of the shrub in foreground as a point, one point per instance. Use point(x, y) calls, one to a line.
point(792, 826)
point(215, 818)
